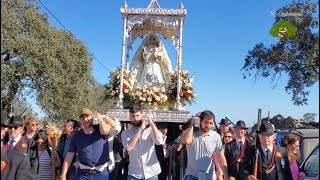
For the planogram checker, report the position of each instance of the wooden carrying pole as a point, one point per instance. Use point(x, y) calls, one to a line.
point(171, 150)
point(256, 160)
point(53, 138)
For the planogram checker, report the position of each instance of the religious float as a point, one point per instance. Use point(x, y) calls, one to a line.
point(149, 80)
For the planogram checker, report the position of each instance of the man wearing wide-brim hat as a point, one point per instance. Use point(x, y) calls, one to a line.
point(234, 150)
point(273, 160)
point(14, 165)
point(17, 142)
point(223, 127)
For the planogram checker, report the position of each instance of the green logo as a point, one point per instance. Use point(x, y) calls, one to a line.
point(283, 29)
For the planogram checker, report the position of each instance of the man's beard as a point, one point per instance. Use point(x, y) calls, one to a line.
point(137, 124)
point(88, 125)
point(205, 129)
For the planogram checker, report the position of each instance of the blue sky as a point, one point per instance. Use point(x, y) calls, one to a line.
point(216, 38)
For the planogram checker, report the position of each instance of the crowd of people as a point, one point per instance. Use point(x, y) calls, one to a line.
point(141, 150)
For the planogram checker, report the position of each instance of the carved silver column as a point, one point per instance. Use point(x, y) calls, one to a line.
point(178, 105)
point(127, 53)
point(122, 66)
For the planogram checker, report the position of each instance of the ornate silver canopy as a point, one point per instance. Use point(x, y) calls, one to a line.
point(153, 19)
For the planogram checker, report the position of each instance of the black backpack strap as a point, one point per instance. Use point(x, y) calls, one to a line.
point(49, 150)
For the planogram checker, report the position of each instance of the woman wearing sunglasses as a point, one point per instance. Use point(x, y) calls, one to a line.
point(45, 155)
point(227, 137)
point(291, 143)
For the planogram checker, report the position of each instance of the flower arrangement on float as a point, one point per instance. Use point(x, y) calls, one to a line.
point(187, 93)
point(113, 86)
point(150, 97)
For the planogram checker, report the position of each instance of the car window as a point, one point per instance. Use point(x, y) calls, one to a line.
point(308, 145)
point(312, 164)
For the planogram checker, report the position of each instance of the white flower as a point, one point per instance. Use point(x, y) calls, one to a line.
point(113, 92)
point(126, 91)
point(170, 91)
point(184, 71)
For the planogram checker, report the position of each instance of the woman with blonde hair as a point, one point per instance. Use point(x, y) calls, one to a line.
point(31, 127)
point(291, 143)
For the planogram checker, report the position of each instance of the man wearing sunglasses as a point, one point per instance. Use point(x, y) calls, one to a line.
point(17, 142)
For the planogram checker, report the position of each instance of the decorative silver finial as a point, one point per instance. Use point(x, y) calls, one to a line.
point(181, 5)
point(125, 4)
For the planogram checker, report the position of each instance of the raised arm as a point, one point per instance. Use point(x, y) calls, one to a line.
point(115, 127)
point(111, 121)
point(155, 133)
point(128, 145)
point(104, 126)
point(187, 135)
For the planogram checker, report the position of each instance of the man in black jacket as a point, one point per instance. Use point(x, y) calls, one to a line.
point(234, 151)
point(162, 153)
point(21, 144)
point(273, 163)
point(14, 165)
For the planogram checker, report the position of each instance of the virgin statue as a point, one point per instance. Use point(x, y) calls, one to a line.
point(151, 63)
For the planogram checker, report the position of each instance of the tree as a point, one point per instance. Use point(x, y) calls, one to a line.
point(41, 61)
point(23, 108)
point(298, 56)
point(99, 103)
point(309, 117)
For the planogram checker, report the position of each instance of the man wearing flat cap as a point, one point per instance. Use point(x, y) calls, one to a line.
point(273, 163)
point(91, 145)
point(234, 150)
point(22, 144)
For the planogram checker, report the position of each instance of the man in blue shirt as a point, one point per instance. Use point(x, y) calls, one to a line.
point(91, 145)
point(68, 130)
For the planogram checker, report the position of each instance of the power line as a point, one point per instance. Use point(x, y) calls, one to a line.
point(100, 63)
point(67, 29)
point(52, 14)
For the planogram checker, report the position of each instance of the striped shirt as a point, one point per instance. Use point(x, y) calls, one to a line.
point(44, 172)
